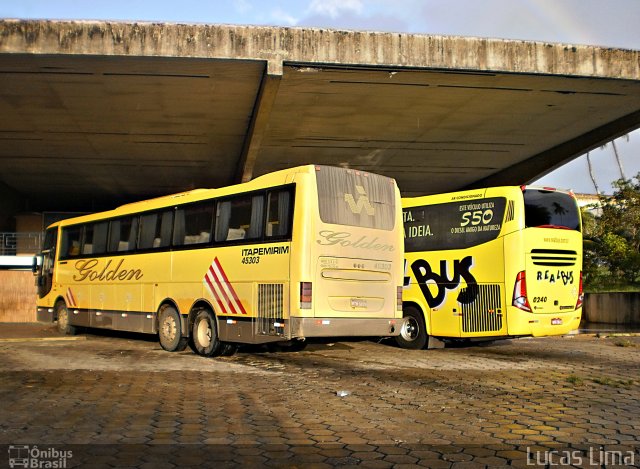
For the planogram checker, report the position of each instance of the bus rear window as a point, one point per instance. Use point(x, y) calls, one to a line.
point(355, 198)
point(550, 209)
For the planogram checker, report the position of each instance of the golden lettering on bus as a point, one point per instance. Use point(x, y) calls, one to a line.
point(87, 269)
point(342, 238)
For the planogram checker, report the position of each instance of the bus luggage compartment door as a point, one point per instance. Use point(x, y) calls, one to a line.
point(348, 287)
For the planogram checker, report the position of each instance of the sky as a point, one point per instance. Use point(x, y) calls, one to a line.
point(609, 23)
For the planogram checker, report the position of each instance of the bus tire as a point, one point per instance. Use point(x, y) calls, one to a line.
point(204, 335)
point(62, 313)
point(170, 330)
point(413, 332)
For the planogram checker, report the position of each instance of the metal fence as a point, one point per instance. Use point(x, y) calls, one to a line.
point(12, 244)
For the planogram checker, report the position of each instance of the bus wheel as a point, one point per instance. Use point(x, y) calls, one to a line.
point(170, 330)
point(413, 333)
point(205, 336)
point(63, 319)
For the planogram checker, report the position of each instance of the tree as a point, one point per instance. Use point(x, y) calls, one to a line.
point(593, 177)
point(618, 160)
point(612, 240)
point(616, 154)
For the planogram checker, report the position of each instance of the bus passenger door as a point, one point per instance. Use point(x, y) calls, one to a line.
point(45, 271)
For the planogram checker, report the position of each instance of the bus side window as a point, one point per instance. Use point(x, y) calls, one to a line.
point(278, 210)
point(123, 234)
point(222, 220)
point(194, 224)
point(147, 230)
point(94, 240)
point(71, 241)
point(155, 230)
point(100, 234)
point(87, 239)
point(257, 216)
point(166, 225)
point(240, 218)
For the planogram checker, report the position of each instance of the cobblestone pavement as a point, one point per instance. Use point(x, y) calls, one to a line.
point(109, 399)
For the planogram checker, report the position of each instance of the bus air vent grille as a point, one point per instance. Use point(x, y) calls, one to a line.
point(510, 212)
point(484, 313)
point(270, 309)
point(554, 257)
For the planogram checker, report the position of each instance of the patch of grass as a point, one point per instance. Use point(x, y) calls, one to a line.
point(576, 380)
point(624, 343)
point(614, 383)
point(604, 381)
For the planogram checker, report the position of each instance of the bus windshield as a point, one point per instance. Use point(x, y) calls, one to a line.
point(550, 209)
point(373, 204)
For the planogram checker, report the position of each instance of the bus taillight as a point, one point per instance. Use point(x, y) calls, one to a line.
point(305, 295)
point(580, 294)
point(520, 293)
point(399, 299)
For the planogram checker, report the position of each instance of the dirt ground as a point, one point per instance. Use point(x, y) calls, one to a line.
point(118, 400)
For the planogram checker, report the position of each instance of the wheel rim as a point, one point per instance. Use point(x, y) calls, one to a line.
point(410, 329)
point(203, 333)
point(169, 328)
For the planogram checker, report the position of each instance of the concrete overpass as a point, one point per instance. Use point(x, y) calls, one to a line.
point(93, 114)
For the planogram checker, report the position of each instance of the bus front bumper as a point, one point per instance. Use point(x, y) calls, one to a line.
point(44, 314)
point(344, 327)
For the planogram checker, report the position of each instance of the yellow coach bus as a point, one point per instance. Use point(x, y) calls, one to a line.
point(313, 251)
point(491, 263)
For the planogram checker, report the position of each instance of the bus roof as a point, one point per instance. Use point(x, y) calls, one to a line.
point(474, 194)
point(194, 195)
point(266, 180)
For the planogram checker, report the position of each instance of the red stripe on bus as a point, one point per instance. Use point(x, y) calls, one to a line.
point(215, 293)
point(72, 299)
point(233, 292)
point(226, 297)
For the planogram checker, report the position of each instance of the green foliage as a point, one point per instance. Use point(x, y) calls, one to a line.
point(575, 380)
point(612, 240)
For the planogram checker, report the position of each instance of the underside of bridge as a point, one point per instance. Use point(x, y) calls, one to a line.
point(95, 114)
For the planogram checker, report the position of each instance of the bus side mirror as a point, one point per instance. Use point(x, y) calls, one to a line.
point(37, 261)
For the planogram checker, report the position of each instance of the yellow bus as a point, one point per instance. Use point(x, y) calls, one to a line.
point(312, 251)
point(491, 263)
